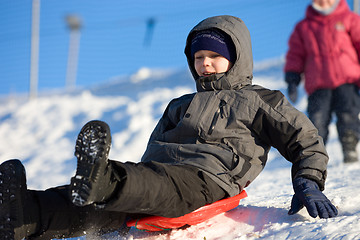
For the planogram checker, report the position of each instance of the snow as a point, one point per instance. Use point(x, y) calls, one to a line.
point(42, 133)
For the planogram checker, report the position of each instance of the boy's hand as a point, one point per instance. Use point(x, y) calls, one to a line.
point(307, 194)
point(292, 79)
point(292, 92)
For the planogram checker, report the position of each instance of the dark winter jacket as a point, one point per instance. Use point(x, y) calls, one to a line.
point(227, 128)
point(326, 48)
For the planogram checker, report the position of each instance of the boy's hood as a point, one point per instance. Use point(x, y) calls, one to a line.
point(241, 73)
point(341, 8)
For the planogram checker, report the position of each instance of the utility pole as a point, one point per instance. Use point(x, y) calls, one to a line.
point(74, 24)
point(150, 25)
point(34, 58)
point(356, 6)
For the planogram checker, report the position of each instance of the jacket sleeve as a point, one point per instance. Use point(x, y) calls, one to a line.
point(354, 33)
point(295, 57)
point(293, 135)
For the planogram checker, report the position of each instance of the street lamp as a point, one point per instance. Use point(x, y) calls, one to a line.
point(356, 6)
point(74, 24)
point(34, 58)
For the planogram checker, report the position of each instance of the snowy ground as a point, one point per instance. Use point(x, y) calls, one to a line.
point(42, 134)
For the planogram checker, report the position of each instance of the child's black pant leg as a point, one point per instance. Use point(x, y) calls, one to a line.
point(320, 110)
point(344, 101)
point(59, 218)
point(346, 104)
point(162, 189)
point(347, 108)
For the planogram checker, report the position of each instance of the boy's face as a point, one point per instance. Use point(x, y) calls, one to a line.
point(208, 62)
point(325, 4)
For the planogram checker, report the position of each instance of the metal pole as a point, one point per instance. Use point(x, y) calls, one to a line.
point(74, 24)
point(356, 6)
point(34, 58)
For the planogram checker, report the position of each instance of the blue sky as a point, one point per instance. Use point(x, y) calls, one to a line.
point(114, 32)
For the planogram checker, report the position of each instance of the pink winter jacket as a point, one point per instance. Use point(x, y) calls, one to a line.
point(326, 48)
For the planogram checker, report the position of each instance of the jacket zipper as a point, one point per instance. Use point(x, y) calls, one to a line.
point(220, 112)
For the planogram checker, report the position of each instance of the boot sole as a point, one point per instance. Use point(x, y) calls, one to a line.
point(92, 151)
point(12, 184)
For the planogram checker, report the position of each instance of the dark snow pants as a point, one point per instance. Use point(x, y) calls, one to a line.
point(344, 101)
point(148, 189)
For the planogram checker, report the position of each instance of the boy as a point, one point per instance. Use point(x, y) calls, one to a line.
point(207, 146)
point(325, 47)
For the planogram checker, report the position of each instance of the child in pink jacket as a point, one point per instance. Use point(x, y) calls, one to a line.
point(324, 51)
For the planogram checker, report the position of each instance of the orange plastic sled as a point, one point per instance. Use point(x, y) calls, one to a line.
point(156, 223)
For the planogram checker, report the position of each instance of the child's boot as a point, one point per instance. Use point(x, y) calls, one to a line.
point(349, 142)
point(94, 181)
point(19, 212)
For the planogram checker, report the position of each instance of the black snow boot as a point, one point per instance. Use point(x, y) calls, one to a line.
point(18, 212)
point(349, 142)
point(93, 181)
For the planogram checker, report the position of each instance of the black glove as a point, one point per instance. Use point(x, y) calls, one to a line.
point(292, 92)
point(293, 80)
point(307, 194)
